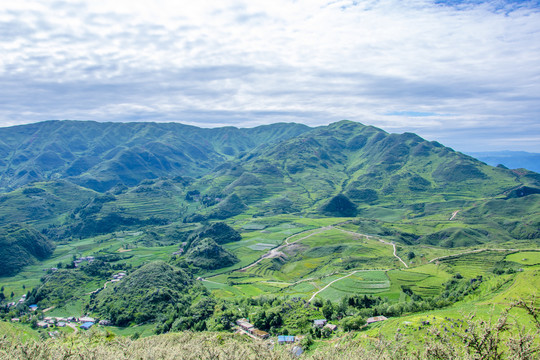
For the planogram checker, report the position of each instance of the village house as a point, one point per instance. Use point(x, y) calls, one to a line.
point(244, 325)
point(319, 323)
point(87, 325)
point(285, 339)
point(87, 319)
point(119, 276)
point(15, 320)
point(81, 259)
point(330, 327)
point(260, 333)
point(105, 322)
point(297, 351)
point(42, 324)
point(375, 319)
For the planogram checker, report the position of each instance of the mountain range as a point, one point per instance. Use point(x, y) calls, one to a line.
point(69, 179)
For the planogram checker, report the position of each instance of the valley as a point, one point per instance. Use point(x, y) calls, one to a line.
point(175, 229)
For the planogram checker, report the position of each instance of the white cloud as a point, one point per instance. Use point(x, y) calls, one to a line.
point(251, 62)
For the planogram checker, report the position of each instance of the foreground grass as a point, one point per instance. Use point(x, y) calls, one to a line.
point(480, 340)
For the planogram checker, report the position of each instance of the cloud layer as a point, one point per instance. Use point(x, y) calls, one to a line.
point(466, 73)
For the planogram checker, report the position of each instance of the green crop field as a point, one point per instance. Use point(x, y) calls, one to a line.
point(525, 258)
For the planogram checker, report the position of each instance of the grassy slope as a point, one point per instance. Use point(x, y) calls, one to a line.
point(493, 296)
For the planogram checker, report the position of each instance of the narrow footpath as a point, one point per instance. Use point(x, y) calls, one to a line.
point(369, 236)
point(275, 252)
point(329, 284)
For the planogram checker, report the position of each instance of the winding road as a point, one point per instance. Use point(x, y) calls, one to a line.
point(275, 252)
point(330, 283)
point(369, 236)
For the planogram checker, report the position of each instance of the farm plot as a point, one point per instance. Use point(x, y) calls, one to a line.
point(363, 282)
point(475, 264)
point(525, 257)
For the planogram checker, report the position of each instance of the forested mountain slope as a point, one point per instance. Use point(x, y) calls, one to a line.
point(101, 155)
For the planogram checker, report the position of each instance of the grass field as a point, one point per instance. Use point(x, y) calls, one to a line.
point(316, 258)
point(525, 258)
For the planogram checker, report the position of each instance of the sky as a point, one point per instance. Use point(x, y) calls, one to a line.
point(463, 72)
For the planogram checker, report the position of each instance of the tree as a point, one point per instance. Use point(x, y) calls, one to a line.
point(353, 323)
point(328, 309)
point(411, 255)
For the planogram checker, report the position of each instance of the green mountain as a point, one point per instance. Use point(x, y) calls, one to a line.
point(282, 224)
point(364, 164)
point(102, 155)
point(20, 247)
point(144, 177)
point(205, 253)
point(146, 294)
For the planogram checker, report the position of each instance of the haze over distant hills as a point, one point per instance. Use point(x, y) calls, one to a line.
point(510, 159)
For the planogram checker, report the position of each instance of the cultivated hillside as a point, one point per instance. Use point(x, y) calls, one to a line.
point(147, 175)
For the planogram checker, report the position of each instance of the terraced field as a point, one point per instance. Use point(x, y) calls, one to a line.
point(329, 263)
point(495, 294)
point(471, 265)
point(309, 261)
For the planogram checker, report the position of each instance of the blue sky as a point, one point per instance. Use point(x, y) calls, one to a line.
point(465, 73)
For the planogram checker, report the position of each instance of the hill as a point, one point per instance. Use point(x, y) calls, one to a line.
point(293, 224)
point(352, 162)
point(20, 247)
point(345, 169)
point(205, 253)
point(148, 293)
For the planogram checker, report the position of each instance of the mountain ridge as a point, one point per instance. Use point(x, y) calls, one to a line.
point(101, 155)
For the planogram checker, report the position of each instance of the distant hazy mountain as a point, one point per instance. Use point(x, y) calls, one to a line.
point(510, 159)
